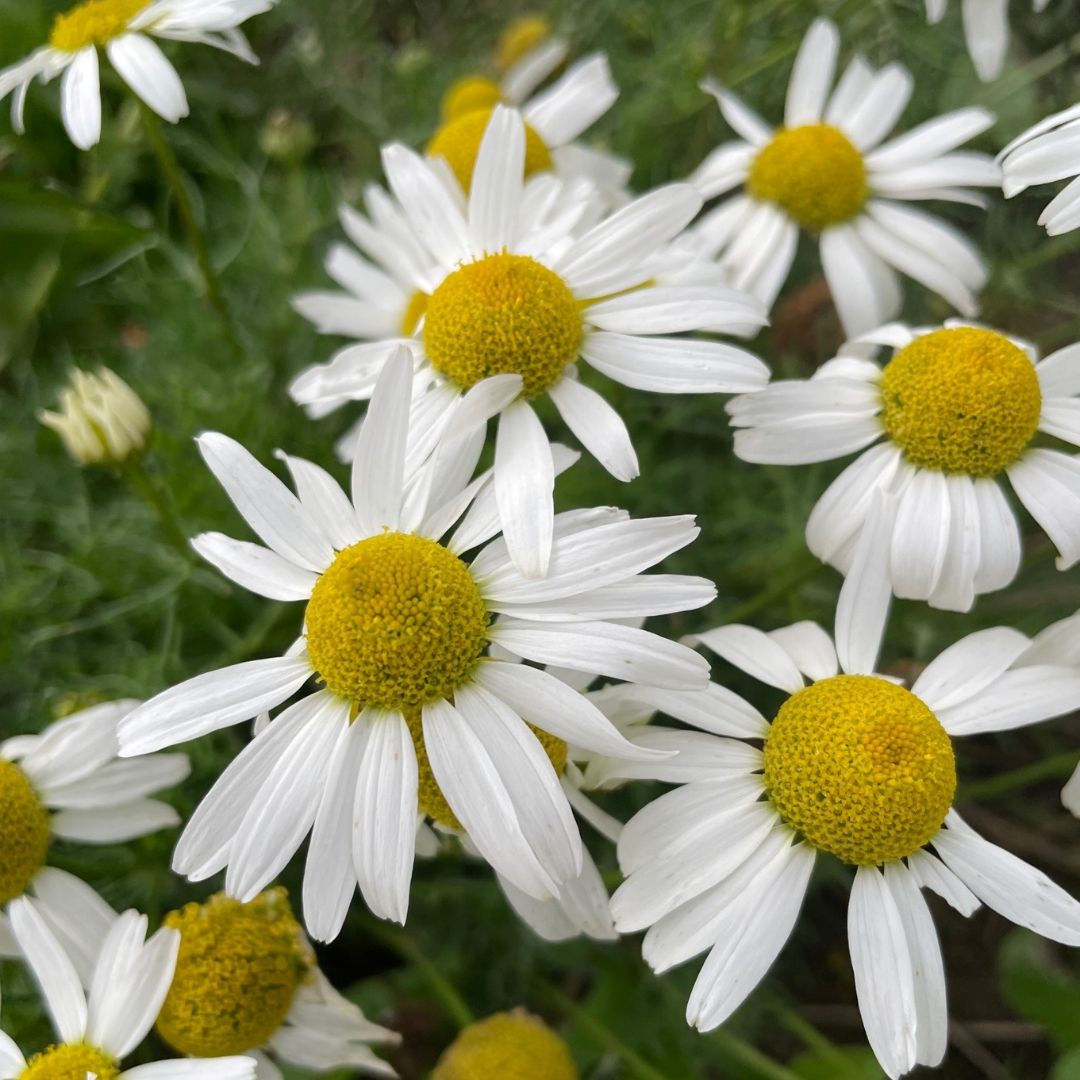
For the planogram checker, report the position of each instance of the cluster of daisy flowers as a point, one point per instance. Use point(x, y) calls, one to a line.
point(471, 669)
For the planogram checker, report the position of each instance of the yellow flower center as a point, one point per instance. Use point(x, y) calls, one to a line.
point(861, 768)
point(459, 142)
point(503, 314)
point(469, 94)
point(237, 973)
point(510, 1046)
point(814, 173)
point(95, 22)
point(25, 832)
point(964, 400)
point(519, 38)
point(431, 799)
point(415, 310)
point(395, 621)
point(72, 1061)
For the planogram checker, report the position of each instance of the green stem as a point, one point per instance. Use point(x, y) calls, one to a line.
point(633, 1061)
point(170, 171)
point(452, 1002)
point(1060, 765)
point(740, 1050)
point(778, 589)
point(149, 489)
point(809, 1035)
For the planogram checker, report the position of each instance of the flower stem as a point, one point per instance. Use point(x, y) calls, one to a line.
point(170, 171)
point(635, 1064)
point(1058, 766)
point(453, 1003)
point(150, 491)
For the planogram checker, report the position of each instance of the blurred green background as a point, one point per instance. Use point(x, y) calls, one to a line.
point(95, 602)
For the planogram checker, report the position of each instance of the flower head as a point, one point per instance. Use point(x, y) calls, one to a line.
point(954, 411)
point(125, 29)
point(101, 419)
point(827, 172)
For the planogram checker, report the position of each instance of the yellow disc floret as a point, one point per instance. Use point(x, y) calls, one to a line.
point(509, 1046)
point(96, 22)
point(813, 172)
point(431, 799)
point(237, 974)
point(520, 38)
point(24, 832)
point(72, 1061)
point(503, 314)
point(414, 312)
point(459, 142)
point(861, 768)
point(396, 621)
point(962, 400)
point(469, 94)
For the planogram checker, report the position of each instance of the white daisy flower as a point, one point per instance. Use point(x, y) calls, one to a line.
point(96, 1031)
point(1048, 151)
point(513, 297)
point(853, 765)
point(953, 411)
point(247, 982)
point(827, 172)
point(125, 29)
point(412, 714)
point(554, 118)
point(986, 30)
point(66, 784)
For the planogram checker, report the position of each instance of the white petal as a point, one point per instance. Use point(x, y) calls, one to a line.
point(921, 537)
point(863, 287)
point(754, 652)
point(1009, 885)
point(931, 139)
point(230, 1068)
point(931, 873)
point(965, 669)
point(384, 814)
point(144, 67)
point(986, 30)
point(256, 568)
point(211, 701)
point(495, 195)
point(75, 913)
point(883, 972)
point(597, 425)
point(1048, 484)
point(80, 99)
point(267, 505)
point(1070, 794)
point(563, 111)
point(114, 824)
point(999, 553)
point(716, 709)
point(724, 168)
point(810, 647)
point(743, 120)
point(324, 501)
point(524, 486)
point(674, 309)
point(812, 75)
point(679, 757)
point(876, 112)
point(1023, 696)
point(52, 968)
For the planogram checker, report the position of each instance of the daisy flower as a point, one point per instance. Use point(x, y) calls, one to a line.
point(125, 30)
point(986, 31)
point(553, 119)
point(852, 765)
point(66, 784)
point(411, 715)
point(96, 1031)
point(1044, 153)
point(247, 982)
point(514, 297)
point(954, 411)
point(827, 172)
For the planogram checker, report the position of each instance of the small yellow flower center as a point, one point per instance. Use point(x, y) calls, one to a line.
point(25, 832)
point(432, 801)
point(519, 38)
point(964, 400)
point(237, 973)
point(814, 173)
point(861, 768)
point(469, 94)
point(95, 22)
point(73, 1061)
point(503, 314)
point(459, 142)
point(396, 621)
point(415, 310)
point(510, 1046)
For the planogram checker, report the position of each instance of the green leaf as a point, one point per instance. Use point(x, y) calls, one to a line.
point(837, 1063)
point(1038, 989)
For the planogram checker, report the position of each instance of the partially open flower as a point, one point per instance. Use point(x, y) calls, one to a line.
point(101, 419)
